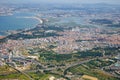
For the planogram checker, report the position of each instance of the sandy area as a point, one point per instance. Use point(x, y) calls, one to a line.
point(89, 77)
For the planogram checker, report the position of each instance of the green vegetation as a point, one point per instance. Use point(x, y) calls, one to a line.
point(6, 70)
point(87, 70)
point(43, 76)
point(14, 76)
point(39, 76)
point(49, 55)
point(108, 50)
point(19, 76)
point(90, 53)
point(37, 32)
point(98, 63)
point(51, 59)
point(57, 57)
point(30, 36)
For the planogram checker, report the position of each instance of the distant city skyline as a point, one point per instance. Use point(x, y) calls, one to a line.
point(62, 1)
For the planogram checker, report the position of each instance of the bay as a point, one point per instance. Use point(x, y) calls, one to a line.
point(17, 21)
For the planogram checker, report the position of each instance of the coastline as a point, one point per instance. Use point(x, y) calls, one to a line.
point(35, 18)
point(40, 20)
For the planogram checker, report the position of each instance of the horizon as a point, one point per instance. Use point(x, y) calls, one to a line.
point(60, 2)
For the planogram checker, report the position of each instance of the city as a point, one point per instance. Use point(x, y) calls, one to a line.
point(81, 42)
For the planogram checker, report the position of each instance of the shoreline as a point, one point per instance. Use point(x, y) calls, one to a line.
point(35, 18)
point(40, 20)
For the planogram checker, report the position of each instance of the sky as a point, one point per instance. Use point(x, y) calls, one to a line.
point(61, 1)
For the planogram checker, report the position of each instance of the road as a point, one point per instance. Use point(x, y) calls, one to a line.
point(54, 68)
point(65, 67)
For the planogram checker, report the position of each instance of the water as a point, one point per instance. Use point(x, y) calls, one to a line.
point(67, 20)
point(17, 21)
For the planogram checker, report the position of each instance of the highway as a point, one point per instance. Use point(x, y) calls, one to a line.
point(30, 78)
point(65, 68)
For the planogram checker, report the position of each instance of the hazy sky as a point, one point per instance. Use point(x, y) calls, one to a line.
point(61, 1)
